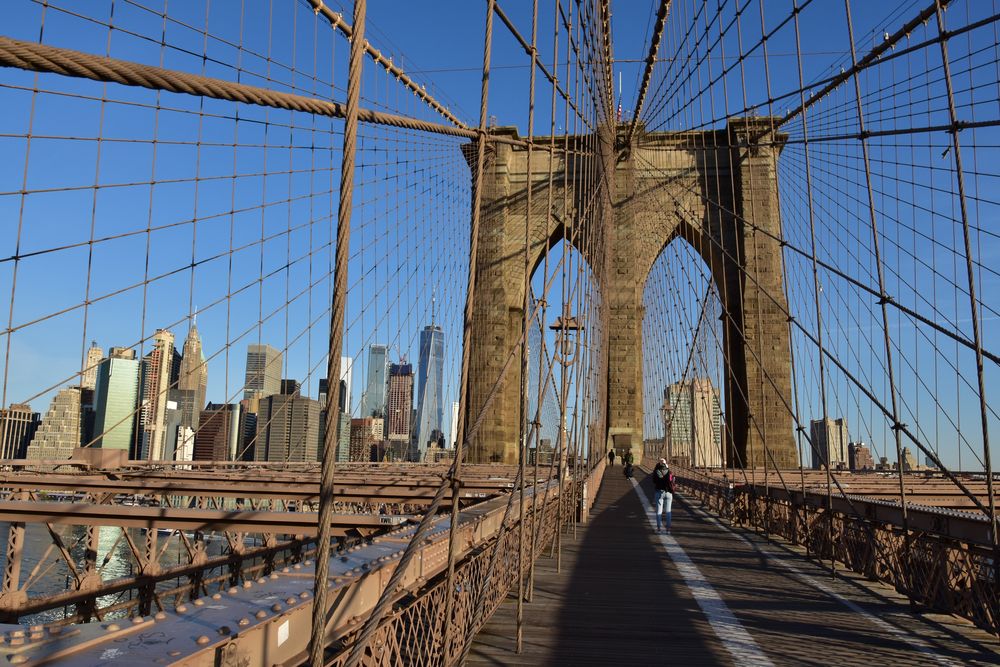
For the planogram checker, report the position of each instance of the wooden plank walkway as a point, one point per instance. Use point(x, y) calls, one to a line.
point(622, 599)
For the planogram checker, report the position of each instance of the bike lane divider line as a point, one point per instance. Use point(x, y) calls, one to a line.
point(904, 636)
point(734, 637)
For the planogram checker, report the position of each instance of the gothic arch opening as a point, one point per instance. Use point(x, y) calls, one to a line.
point(563, 287)
point(684, 351)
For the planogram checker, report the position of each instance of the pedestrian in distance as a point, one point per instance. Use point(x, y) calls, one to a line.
point(628, 458)
point(611, 458)
point(663, 496)
point(628, 469)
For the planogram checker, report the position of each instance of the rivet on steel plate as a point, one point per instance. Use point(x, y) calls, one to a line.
point(225, 630)
point(304, 595)
point(261, 580)
point(233, 590)
point(203, 639)
point(275, 607)
point(160, 616)
point(136, 620)
point(113, 627)
point(199, 603)
point(217, 596)
point(261, 613)
point(181, 608)
point(247, 584)
point(243, 622)
point(290, 600)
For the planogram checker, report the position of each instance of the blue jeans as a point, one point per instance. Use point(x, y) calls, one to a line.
point(664, 500)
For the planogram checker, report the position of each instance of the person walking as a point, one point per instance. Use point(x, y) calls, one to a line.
point(628, 469)
point(663, 496)
point(628, 458)
point(611, 458)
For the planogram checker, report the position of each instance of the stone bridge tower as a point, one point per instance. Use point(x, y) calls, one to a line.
point(716, 190)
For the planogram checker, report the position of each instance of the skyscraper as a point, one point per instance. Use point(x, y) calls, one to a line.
point(219, 434)
point(17, 427)
point(346, 368)
point(694, 415)
point(829, 442)
point(263, 377)
point(430, 387)
point(373, 400)
point(860, 457)
point(288, 429)
point(188, 406)
point(344, 439)
point(248, 429)
point(59, 433)
point(94, 355)
point(159, 371)
point(399, 410)
point(342, 406)
point(366, 433)
point(454, 423)
point(115, 400)
point(193, 377)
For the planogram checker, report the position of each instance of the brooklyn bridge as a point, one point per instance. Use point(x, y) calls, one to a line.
point(499, 332)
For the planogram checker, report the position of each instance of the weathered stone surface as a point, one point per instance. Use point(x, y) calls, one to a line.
point(715, 190)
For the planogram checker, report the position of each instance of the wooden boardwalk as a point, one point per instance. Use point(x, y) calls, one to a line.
point(709, 595)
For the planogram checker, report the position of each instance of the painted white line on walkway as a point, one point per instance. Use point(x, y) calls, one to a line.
point(897, 632)
point(724, 623)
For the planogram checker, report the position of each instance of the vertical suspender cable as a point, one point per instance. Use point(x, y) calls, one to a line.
point(973, 300)
point(318, 642)
point(816, 292)
point(526, 306)
point(477, 197)
point(883, 301)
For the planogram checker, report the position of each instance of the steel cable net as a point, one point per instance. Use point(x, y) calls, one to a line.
point(173, 222)
point(865, 137)
point(168, 276)
point(804, 189)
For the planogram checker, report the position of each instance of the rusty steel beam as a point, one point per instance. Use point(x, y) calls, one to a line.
point(37, 604)
point(271, 616)
point(378, 492)
point(177, 518)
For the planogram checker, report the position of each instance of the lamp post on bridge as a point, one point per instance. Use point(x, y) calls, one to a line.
point(566, 349)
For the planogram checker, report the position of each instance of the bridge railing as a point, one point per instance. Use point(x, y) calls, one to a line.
point(415, 632)
point(944, 562)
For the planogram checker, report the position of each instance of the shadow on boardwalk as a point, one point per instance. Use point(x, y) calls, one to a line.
point(610, 605)
point(620, 600)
